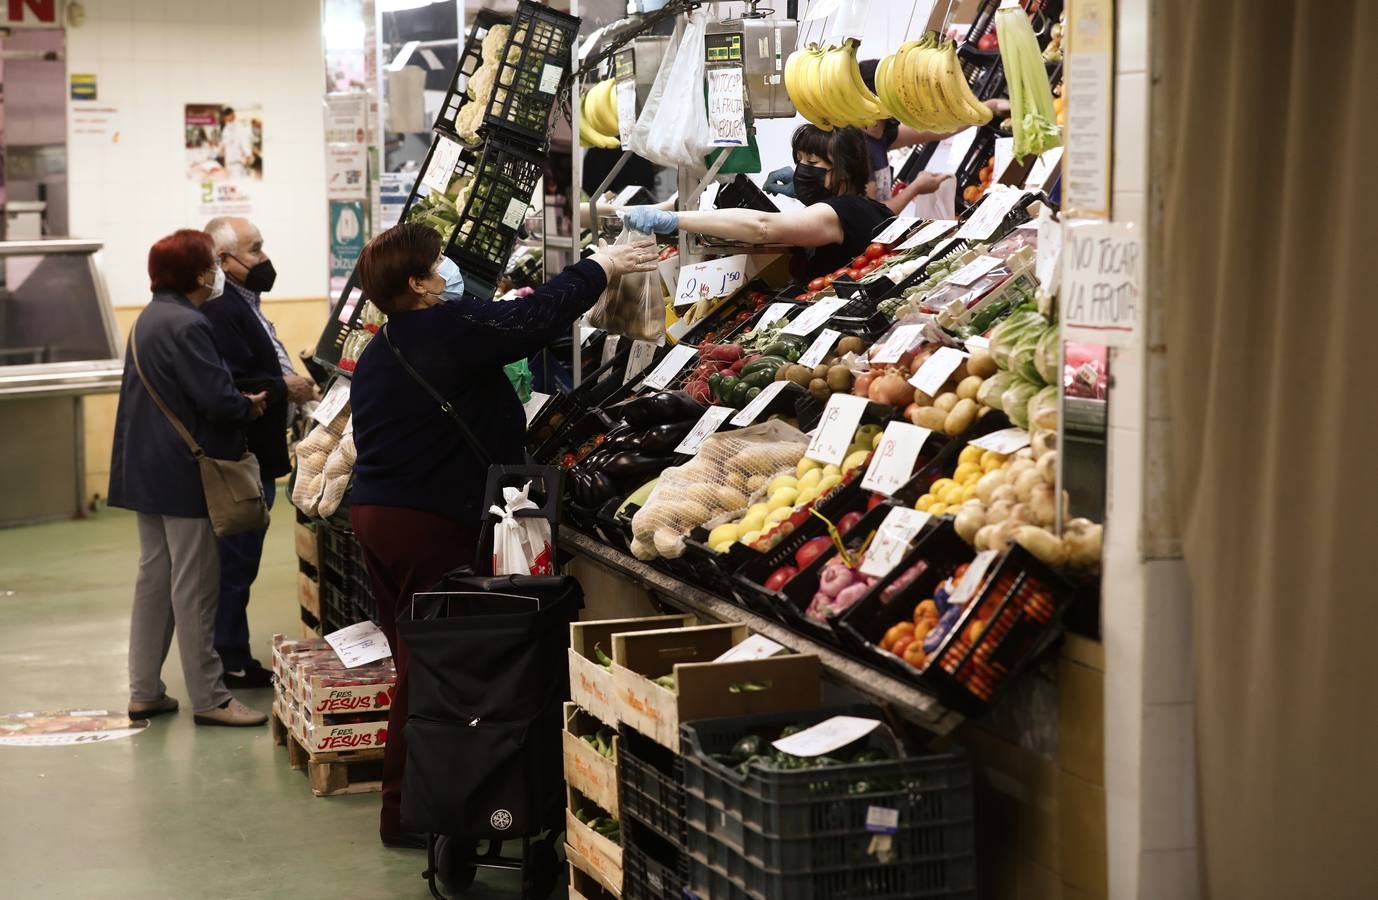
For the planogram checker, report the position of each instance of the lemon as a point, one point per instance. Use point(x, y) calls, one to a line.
point(970, 454)
point(942, 484)
point(780, 515)
point(951, 495)
point(967, 473)
point(925, 502)
point(990, 461)
point(754, 521)
point(751, 537)
point(782, 498)
point(968, 492)
point(805, 466)
point(937, 509)
point(724, 534)
point(781, 481)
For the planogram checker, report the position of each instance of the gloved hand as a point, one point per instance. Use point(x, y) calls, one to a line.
point(649, 220)
point(781, 181)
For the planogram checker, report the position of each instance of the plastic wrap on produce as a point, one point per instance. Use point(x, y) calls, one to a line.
point(633, 304)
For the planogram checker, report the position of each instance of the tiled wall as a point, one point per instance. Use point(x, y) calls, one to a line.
point(150, 58)
point(299, 324)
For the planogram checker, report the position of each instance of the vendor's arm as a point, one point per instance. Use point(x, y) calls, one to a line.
point(925, 183)
point(813, 226)
point(909, 137)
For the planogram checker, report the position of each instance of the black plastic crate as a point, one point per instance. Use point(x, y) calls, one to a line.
point(533, 66)
point(470, 59)
point(337, 606)
point(339, 556)
point(650, 785)
point(802, 834)
point(652, 867)
point(495, 209)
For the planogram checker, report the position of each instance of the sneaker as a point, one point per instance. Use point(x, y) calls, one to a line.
point(251, 677)
point(138, 712)
point(233, 714)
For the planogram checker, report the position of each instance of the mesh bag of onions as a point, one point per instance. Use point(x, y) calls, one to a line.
point(730, 470)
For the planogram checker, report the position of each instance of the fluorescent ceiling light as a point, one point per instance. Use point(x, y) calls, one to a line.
point(400, 5)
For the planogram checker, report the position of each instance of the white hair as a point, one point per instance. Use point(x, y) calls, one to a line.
point(223, 235)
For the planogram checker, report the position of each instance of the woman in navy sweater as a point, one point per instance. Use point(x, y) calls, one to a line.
point(418, 485)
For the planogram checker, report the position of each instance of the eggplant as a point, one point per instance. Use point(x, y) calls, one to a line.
point(662, 439)
point(629, 463)
point(657, 409)
point(601, 489)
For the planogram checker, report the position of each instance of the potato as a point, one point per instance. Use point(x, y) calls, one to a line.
point(968, 386)
point(850, 344)
point(1042, 544)
point(946, 402)
point(981, 363)
point(930, 417)
point(821, 371)
point(921, 398)
point(839, 378)
point(960, 418)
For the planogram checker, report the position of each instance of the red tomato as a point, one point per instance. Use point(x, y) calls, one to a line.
point(848, 522)
point(860, 262)
point(988, 41)
point(817, 285)
point(875, 251)
point(778, 578)
point(828, 279)
point(811, 550)
point(857, 274)
point(876, 500)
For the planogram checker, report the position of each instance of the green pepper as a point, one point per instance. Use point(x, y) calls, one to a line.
point(739, 391)
point(725, 387)
point(603, 659)
point(764, 364)
point(749, 746)
point(760, 378)
point(713, 381)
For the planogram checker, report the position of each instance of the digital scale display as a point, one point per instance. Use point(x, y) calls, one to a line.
point(723, 48)
point(624, 64)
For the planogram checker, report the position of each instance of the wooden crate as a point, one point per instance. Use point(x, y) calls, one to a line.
point(598, 856)
point(703, 686)
point(307, 551)
point(309, 595)
point(584, 883)
point(590, 684)
point(330, 774)
point(586, 770)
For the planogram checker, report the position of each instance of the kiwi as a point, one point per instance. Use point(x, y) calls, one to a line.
point(800, 375)
point(820, 371)
point(839, 378)
point(850, 344)
point(819, 388)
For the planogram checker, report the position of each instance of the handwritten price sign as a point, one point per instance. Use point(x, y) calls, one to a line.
point(711, 280)
point(726, 107)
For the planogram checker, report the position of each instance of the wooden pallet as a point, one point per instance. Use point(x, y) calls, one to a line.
point(331, 774)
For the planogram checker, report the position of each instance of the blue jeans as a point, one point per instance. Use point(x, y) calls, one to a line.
point(239, 557)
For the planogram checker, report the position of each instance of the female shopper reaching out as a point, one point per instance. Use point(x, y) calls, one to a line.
point(418, 485)
point(831, 174)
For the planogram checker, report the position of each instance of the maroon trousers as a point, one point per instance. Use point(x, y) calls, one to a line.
point(406, 551)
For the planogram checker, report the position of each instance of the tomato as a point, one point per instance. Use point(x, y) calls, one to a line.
point(778, 578)
point(817, 285)
point(857, 274)
point(799, 517)
point(876, 500)
point(988, 41)
point(828, 279)
point(860, 262)
point(875, 251)
point(811, 550)
point(848, 522)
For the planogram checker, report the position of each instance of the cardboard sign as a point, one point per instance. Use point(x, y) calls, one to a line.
point(752, 411)
point(825, 737)
point(893, 539)
point(669, 366)
point(930, 232)
point(893, 462)
point(808, 321)
point(1004, 442)
point(726, 107)
point(359, 644)
point(1004, 155)
point(640, 357)
point(1102, 265)
point(936, 370)
point(708, 423)
point(991, 211)
point(836, 428)
point(443, 161)
point(710, 280)
point(819, 349)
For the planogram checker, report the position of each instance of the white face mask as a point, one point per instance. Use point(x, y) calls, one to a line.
point(218, 286)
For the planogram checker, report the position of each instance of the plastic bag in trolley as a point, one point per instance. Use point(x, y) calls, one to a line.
point(521, 544)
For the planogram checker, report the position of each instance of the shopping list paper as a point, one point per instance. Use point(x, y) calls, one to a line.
point(836, 428)
point(359, 644)
point(893, 462)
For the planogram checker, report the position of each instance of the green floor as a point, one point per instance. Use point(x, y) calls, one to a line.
point(177, 811)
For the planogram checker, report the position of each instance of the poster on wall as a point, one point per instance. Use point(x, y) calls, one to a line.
point(346, 242)
point(224, 146)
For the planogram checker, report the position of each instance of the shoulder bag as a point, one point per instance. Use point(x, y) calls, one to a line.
point(233, 487)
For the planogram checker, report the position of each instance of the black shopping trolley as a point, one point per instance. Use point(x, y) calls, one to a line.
point(487, 683)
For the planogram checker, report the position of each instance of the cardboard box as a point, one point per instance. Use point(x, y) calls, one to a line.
point(586, 770)
point(597, 855)
point(584, 883)
point(337, 695)
point(590, 684)
point(703, 687)
point(351, 738)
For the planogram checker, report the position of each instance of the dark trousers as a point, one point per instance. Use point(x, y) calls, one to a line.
point(405, 551)
point(239, 558)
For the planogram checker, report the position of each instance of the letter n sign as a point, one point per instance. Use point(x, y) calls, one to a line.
point(31, 12)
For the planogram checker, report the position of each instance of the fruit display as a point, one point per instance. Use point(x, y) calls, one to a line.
point(973, 192)
point(1026, 75)
point(442, 210)
point(598, 116)
point(923, 86)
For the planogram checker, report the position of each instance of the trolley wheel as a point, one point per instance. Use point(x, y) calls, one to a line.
point(454, 863)
point(540, 870)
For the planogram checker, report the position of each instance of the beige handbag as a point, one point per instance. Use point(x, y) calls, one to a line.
point(233, 487)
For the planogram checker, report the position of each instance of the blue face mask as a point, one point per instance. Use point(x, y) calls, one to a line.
point(454, 279)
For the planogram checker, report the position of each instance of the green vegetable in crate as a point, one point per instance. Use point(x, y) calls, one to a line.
point(603, 659)
point(1046, 356)
point(992, 390)
point(1042, 409)
point(748, 687)
point(1007, 334)
point(667, 682)
point(751, 745)
point(1022, 357)
point(1015, 401)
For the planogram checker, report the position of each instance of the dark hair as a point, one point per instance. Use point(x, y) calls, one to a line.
point(844, 149)
point(176, 262)
point(389, 260)
point(868, 73)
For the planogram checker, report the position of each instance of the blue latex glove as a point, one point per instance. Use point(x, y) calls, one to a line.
point(781, 181)
point(454, 279)
point(649, 220)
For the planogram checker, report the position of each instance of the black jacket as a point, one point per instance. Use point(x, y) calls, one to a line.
point(151, 469)
point(253, 361)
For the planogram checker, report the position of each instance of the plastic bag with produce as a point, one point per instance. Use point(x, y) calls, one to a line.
point(633, 304)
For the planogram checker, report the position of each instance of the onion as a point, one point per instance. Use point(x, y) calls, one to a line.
point(1026, 482)
point(1042, 544)
point(835, 577)
point(1047, 467)
point(862, 386)
point(988, 483)
point(891, 389)
point(968, 523)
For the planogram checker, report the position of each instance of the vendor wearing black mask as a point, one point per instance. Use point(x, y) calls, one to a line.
point(832, 170)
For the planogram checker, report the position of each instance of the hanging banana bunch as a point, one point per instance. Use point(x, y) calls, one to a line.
point(827, 89)
point(1031, 98)
point(922, 85)
point(598, 116)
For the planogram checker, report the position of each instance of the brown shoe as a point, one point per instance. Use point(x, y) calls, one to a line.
point(141, 711)
point(233, 714)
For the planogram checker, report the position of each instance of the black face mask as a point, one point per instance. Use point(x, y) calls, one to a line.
point(808, 183)
point(260, 278)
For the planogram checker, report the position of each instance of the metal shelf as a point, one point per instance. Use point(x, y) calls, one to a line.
point(904, 699)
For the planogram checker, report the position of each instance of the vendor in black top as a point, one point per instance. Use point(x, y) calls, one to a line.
point(831, 172)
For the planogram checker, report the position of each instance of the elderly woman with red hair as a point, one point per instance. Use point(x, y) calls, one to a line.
point(172, 358)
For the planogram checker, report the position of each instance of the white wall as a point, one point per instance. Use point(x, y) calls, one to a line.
point(153, 56)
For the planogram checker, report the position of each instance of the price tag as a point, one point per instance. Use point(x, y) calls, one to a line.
point(836, 428)
point(948, 155)
point(752, 411)
point(814, 315)
point(640, 357)
point(1004, 441)
point(334, 400)
point(893, 462)
point(896, 228)
point(972, 578)
point(882, 820)
point(1047, 268)
point(990, 212)
point(820, 347)
point(936, 370)
point(901, 339)
point(669, 273)
point(758, 646)
point(516, 213)
point(626, 110)
point(978, 342)
point(444, 158)
point(359, 644)
point(930, 232)
point(1043, 167)
point(774, 313)
point(711, 279)
point(726, 107)
point(825, 737)
point(893, 540)
point(1004, 155)
point(968, 274)
point(669, 366)
point(610, 348)
point(708, 423)
point(550, 78)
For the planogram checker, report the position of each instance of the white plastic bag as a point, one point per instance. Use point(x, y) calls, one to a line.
point(633, 304)
point(521, 544)
point(938, 205)
point(680, 134)
point(640, 143)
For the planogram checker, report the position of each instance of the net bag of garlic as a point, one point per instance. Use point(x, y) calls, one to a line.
point(729, 472)
point(339, 470)
point(313, 452)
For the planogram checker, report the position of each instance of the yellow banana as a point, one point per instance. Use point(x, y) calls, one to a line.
point(832, 90)
point(799, 88)
point(885, 90)
point(844, 77)
point(931, 94)
point(588, 135)
point(605, 107)
point(906, 85)
point(610, 107)
point(959, 92)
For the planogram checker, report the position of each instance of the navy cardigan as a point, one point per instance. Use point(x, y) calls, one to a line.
point(151, 469)
point(410, 454)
